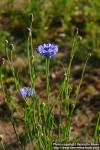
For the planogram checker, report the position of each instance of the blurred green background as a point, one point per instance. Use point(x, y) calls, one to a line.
point(54, 20)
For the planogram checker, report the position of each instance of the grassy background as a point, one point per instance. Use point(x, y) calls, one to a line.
point(53, 21)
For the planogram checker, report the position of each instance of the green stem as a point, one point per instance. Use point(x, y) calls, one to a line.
point(96, 134)
point(68, 121)
point(47, 79)
point(30, 61)
point(2, 83)
point(32, 55)
point(66, 87)
point(13, 72)
point(28, 50)
point(60, 117)
point(3, 147)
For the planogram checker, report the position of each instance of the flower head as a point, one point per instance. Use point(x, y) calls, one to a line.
point(2, 60)
point(47, 50)
point(27, 92)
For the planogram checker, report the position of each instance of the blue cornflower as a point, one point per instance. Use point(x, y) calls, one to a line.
point(47, 50)
point(27, 92)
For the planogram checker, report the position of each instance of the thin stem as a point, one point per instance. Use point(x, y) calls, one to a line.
point(32, 55)
point(17, 136)
point(66, 88)
point(60, 117)
point(9, 53)
point(83, 71)
point(2, 83)
point(47, 79)
point(96, 135)
point(68, 72)
point(71, 112)
point(30, 61)
point(13, 72)
point(6, 49)
point(28, 53)
point(3, 147)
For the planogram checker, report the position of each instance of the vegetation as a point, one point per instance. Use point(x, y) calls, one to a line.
point(74, 27)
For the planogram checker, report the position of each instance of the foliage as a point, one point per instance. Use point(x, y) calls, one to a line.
point(37, 117)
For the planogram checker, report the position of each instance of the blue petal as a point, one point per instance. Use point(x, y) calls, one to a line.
point(27, 92)
point(47, 50)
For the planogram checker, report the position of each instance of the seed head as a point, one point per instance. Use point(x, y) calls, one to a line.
point(90, 54)
point(76, 30)
point(43, 104)
point(31, 18)
point(11, 46)
point(2, 61)
point(29, 31)
point(6, 41)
